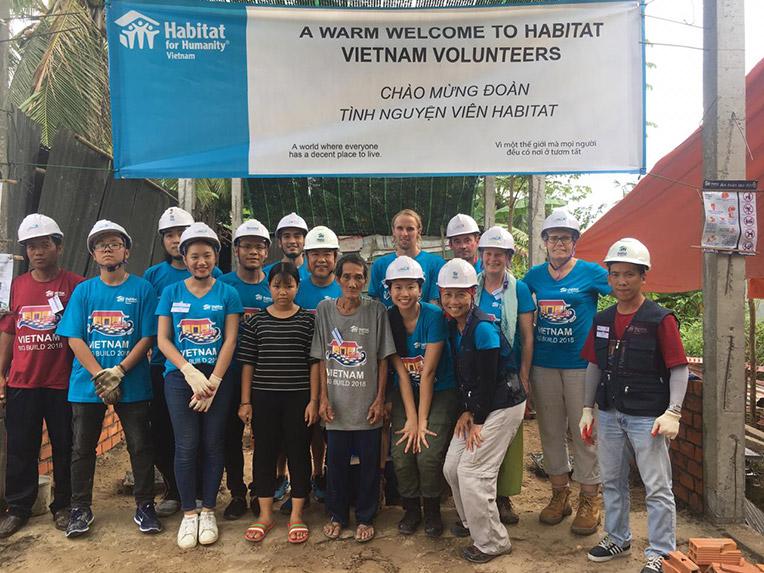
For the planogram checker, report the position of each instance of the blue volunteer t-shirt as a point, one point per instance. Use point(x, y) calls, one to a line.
point(254, 297)
point(309, 295)
point(160, 276)
point(478, 265)
point(302, 269)
point(198, 323)
point(566, 309)
point(430, 264)
point(492, 304)
point(430, 328)
point(111, 320)
point(486, 337)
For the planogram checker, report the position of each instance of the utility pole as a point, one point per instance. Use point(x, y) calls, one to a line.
point(236, 215)
point(536, 216)
point(187, 195)
point(724, 157)
point(489, 214)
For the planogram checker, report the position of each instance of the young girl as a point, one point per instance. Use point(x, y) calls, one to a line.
point(424, 402)
point(493, 403)
point(198, 323)
point(279, 397)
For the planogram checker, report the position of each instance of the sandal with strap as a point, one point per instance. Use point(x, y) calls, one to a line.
point(364, 533)
point(257, 532)
point(298, 533)
point(333, 529)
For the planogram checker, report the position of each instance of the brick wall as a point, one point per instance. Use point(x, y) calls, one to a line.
point(111, 435)
point(687, 450)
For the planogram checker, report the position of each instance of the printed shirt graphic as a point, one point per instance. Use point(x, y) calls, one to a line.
point(198, 323)
point(303, 270)
point(40, 358)
point(163, 275)
point(111, 320)
point(430, 265)
point(309, 295)
point(566, 310)
point(430, 328)
point(351, 347)
point(254, 297)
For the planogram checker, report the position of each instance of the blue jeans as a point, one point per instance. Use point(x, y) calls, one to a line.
point(194, 430)
point(654, 465)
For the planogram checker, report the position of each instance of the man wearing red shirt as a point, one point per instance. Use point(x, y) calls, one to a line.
point(637, 375)
point(35, 365)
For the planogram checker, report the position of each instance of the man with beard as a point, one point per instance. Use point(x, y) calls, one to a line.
point(251, 241)
point(172, 223)
point(463, 236)
point(290, 234)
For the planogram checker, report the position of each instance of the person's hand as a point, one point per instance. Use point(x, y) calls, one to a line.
point(200, 404)
point(463, 424)
point(409, 433)
point(474, 439)
point(667, 424)
point(376, 411)
point(3, 382)
point(200, 385)
point(586, 425)
point(526, 382)
point(111, 397)
point(388, 414)
point(326, 411)
point(245, 413)
point(108, 379)
point(422, 433)
point(311, 413)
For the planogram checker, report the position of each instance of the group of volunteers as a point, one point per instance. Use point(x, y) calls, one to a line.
point(435, 367)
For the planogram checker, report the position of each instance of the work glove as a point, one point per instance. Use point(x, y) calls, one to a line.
point(111, 397)
point(667, 425)
point(204, 404)
point(107, 382)
point(586, 425)
point(198, 382)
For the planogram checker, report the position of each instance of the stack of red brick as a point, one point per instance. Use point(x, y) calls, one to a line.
point(687, 450)
point(710, 556)
point(111, 435)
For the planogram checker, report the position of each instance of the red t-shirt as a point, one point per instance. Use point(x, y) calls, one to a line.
point(41, 359)
point(669, 339)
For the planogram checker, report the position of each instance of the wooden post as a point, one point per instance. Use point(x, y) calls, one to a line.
point(236, 216)
point(187, 195)
point(752, 357)
point(489, 217)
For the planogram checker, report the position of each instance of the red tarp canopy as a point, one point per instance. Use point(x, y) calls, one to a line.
point(665, 210)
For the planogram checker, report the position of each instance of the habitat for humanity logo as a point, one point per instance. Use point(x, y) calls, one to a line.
point(182, 39)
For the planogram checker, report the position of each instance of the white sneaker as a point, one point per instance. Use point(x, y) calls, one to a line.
point(188, 532)
point(208, 528)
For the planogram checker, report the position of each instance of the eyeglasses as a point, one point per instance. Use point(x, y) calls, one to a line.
point(554, 239)
point(101, 247)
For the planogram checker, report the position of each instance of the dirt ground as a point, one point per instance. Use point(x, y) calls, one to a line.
point(115, 544)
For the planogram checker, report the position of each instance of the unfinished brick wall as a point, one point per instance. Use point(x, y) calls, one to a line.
point(111, 435)
point(687, 450)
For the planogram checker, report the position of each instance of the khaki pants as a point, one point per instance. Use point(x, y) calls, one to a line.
point(558, 395)
point(472, 477)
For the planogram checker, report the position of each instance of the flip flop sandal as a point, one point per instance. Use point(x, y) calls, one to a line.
point(334, 529)
point(364, 527)
point(257, 531)
point(294, 530)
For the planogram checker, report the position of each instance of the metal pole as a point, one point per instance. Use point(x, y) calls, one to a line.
point(489, 217)
point(724, 274)
point(536, 216)
point(236, 215)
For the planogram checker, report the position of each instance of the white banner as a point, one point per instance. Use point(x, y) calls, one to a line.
point(524, 89)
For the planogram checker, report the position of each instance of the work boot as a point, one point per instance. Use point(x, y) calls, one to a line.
point(10, 524)
point(588, 515)
point(412, 516)
point(433, 523)
point(558, 507)
point(507, 513)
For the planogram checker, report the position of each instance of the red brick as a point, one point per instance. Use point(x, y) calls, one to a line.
point(682, 432)
point(687, 448)
point(695, 437)
point(686, 417)
point(46, 451)
point(695, 469)
point(698, 457)
point(693, 403)
point(696, 502)
point(681, 492)
point(686, 480)
point(678, 464)
point(697, 421)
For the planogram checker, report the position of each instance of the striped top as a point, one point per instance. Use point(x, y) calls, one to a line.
point(279, 349)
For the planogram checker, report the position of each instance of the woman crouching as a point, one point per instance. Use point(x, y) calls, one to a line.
point(492, 404)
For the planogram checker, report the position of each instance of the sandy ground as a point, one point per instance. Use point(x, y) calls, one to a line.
point(115, 544)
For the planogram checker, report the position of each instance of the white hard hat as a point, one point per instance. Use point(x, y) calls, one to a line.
point(457, 273)
point(38, 225)
point(292, 220)
point(404, 267)
point(561, 219)
point(498, 238)
point(628, 251)
point(106, 226)
point(175, 217)
point(321, 238)
point(461, 224)
point(251, 228)
point(199, 231)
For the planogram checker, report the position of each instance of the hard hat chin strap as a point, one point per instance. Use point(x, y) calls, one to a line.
point(112, 268)
point(565, 262)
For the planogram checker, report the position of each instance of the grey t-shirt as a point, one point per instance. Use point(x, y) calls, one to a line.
point(351, 346)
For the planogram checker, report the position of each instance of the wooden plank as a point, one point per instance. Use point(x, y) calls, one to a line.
point(23, 154)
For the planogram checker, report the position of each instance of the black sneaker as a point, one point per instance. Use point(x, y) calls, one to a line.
point(146, 518)
point(80, 521)
point(654, 564)
point(236, 509)
point(606, 550)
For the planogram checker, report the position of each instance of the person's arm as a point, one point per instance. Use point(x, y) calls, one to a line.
point(6, 351)
point(325, 408)
point(432, 356)
point(311, 410)
point(409, 430)
point(245, 403)
point(137, 354)
point(525, 322)
point(166, 344)
point(84, 355)
point(229, 345)
point(377, 408)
